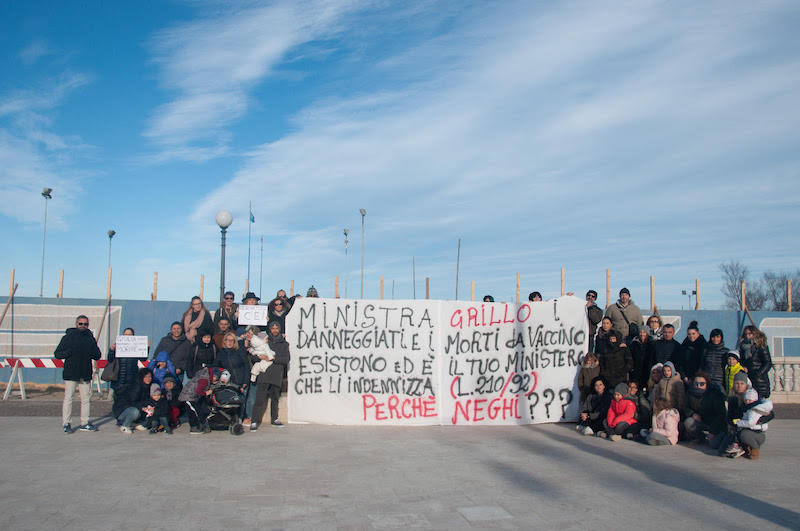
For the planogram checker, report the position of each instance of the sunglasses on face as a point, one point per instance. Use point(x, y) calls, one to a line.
point(83, 324)
point(228, 298)
point(591, 296)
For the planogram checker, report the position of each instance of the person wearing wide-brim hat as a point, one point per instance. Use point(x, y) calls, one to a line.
point(250, 296)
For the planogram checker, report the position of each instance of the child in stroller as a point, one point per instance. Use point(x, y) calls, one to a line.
point(224, 403)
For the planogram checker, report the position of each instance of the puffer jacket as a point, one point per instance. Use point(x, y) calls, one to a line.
point(621, 411)
point(178, 350)
point(713, 362)
point(160, 372)
point(237, 362)
point(758, 365)
point(666, 423)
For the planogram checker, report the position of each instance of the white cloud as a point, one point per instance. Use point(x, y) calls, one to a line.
point(645, 122)
point(212, 65)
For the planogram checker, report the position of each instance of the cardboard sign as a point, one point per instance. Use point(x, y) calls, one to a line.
point(253, 315)
point(131, 347)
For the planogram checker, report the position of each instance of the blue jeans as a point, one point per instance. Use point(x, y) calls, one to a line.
point(129, 415)
point(250, 401)
point(153, 422)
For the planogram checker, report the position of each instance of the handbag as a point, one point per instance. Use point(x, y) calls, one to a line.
point(633, 328)
point(111, 371)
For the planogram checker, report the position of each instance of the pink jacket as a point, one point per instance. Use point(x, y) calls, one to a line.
point(666, 423)
point(622, 411)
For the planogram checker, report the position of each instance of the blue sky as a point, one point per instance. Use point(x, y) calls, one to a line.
point(651, 138)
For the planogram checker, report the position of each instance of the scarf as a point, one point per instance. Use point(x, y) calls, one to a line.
point(190, 326)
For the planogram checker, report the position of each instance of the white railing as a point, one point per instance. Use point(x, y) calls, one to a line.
point(785, 379)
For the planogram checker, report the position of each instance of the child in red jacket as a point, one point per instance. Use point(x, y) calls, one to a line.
point(621, 417)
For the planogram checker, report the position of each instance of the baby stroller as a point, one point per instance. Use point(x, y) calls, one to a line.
point(224, 406)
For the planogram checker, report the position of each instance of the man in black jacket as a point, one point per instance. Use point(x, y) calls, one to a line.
point(77, 348)
point(667, 349)
point(594, 314)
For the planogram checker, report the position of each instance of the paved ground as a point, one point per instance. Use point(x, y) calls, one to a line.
point(302, 477)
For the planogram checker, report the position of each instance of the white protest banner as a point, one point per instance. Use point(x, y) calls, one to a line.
point(363, 362)
point(253, 315)
point(511, 363)
point(131, 347)
point(434, 362)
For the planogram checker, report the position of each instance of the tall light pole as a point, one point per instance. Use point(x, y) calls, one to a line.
point(363, 215)
point(46, 194)
point(346, 271)
point(111, 234)
point(261, 270)
point(224, 220)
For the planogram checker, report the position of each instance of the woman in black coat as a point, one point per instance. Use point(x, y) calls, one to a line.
point(128, 367)
point(269, 383)
point(691, 352)
point(715, 356)
point(756, 359)
point(235, 360)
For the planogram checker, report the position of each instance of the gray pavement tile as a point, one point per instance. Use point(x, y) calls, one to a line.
point(484, 513)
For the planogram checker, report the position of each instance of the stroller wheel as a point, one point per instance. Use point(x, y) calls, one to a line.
point(237, 429)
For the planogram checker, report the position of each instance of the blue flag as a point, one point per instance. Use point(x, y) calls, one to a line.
point(252, 217)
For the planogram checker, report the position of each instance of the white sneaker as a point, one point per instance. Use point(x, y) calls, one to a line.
point(125, 429)
point(616, 437)
point(588, 431)
point(141, 427)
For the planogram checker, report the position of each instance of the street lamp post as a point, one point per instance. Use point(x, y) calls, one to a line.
point(46, 194)
point(346, 271)
point(363, 215)
point(224, 220)
point(111, 234)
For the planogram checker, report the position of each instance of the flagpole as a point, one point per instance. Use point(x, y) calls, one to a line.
point(249, 230)
point(261, 271)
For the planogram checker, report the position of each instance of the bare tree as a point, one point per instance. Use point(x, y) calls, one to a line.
point(733, 273)
point(767, 293)
point(775, 285)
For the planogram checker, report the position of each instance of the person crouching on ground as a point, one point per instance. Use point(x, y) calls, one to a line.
point(590, 369)
point(620, 418)
point(665, 425)
point(172, 390)
point(157, 411)
point(644, 412)
point(749, 419)
point(704, 412)
point(595, 408)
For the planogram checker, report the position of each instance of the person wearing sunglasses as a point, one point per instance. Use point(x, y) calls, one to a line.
point(277, 313)
point(77, 348)
point(228, 310)
point(594, 314)
point(704, 412)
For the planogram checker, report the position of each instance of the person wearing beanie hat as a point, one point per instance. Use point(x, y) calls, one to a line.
point(157, 411)
point(670, 388)
point(172, 391)
point(749, 417)
point(621, 416)
point(732, 369)
point(692, 351)
point(715, 357)
point(625, 315)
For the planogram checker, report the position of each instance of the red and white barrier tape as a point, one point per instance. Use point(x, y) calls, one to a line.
point(46, 363)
